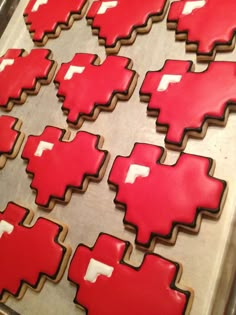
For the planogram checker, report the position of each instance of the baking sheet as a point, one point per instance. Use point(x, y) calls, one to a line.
point(207, 261)
point(7, 8)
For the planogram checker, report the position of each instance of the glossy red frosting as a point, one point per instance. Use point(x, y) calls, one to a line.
point(27, 253)
point(211, 24)
point(58, 165)
point(21, 73)
point(43, 16)
point(185, 105)
point(168, 195)
point(119, 21)
point(84, 85)
point(149, 289)
point(8, 136)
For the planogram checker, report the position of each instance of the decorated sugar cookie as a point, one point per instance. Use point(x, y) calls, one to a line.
point(46, 18)
point(87, 86)
point(118, 22)
point(11, 138)
point(29, 254)
point(22, 74)
point(159, 198)
point(185, 102)
point(108, 284)
point(59, 165)
point(206, 25)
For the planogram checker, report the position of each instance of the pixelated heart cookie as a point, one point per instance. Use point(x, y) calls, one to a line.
point(186, 102)
point(11, 138)
point(46, 18)
point(87, 86)
point(108, 284)
point(59, 165)
point(206, 25)
point(21, 74)
point(118, 22)
point(29, 254)
point(159, 198)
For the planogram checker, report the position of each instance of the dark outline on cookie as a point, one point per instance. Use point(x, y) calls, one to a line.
point(154, 237)
point(89, 177)
point(42, 277)
point(18, 142)
point(128, 250)
point(194, 133)
point(38, 81)
point(219, 46)
point(73, 16)
point(136, 29)
point(117, 95)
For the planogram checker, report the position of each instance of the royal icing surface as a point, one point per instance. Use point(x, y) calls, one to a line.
point(10, 138)
point(20, 73)
point(8, 135)
point(207, 23)
point(167, 195)
point(28, 253)
point(44, 16)
point(188, 98)
point(149, 289)
point(85, 85)
point(59, 165)
point(117, 20)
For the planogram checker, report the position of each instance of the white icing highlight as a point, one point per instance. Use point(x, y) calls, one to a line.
point(136, 171)
point(192, 5)
point(5, 227)
point(6, 62)
point(107, 5)
point(37, 4)
point(96, 268)
point(43, 145)
point(167, 79)
point(72, 70)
